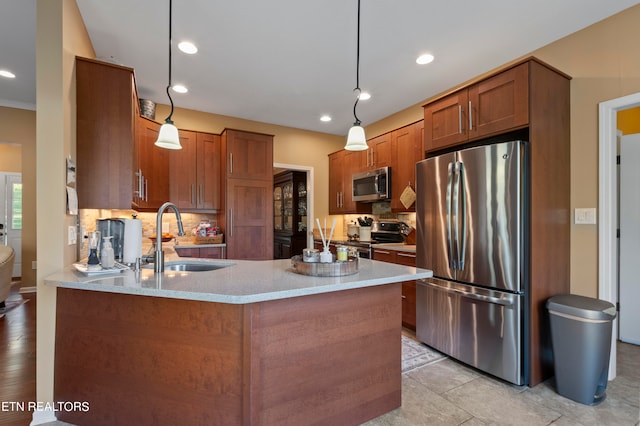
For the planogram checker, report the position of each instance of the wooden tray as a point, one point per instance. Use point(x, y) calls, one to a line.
point(215, 239)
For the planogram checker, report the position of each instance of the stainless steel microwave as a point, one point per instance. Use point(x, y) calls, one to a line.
point(372, 185)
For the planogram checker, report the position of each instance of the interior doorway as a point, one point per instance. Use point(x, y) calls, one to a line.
point(11, 216)
point(280, 167)
point(608, 206)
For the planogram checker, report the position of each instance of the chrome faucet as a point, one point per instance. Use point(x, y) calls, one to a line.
point(158, 264)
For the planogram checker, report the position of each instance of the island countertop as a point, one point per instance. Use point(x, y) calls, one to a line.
point(239, 282)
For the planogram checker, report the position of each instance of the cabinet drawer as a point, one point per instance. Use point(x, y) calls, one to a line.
point(406, 258)
point(384, 255)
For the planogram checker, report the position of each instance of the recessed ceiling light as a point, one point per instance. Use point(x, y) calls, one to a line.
point(187, 47)
point(364, 96)
point(427, 58)
point(179, 88)
point(325, 118)
point(7, 74)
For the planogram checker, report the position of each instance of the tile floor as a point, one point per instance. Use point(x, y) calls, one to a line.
point(450, 393)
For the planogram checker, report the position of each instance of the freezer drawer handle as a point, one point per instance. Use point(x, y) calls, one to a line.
point(480, 297)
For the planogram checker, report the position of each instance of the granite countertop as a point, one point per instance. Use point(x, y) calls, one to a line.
point(238, 282)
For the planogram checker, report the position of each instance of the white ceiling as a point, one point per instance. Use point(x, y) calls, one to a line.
point(288, 62)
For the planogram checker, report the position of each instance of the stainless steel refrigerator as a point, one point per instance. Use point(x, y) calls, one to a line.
point(472, 222)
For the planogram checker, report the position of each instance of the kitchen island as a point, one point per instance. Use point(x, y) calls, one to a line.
point(250, 343)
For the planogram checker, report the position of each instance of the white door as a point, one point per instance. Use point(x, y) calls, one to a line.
point(11, 216)
point(629, 284)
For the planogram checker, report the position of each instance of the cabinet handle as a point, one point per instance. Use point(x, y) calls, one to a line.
point(460, 119)
point(381, 251)
point(200, 194)
point(403, 297)
point(231, 163)
point(192, 195)
point(231, 222)
point(411, 255)
point(146, 189)
point(337, 199)
point(470, 117)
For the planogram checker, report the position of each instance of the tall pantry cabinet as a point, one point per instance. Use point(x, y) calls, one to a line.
point(246, 214)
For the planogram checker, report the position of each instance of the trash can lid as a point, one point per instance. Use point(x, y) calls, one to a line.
point(582, 307)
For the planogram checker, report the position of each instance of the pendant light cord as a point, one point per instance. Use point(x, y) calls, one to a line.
point(168, 119)
point(357, 89)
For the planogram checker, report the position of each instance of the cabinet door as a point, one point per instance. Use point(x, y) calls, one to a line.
point(153, 163)
point(500, 103)
point(249, 155)
point(407, 151)
point(183, 171)
point(105, 99)
point(249, 216)
point(211, 252)
point(384, 255)
point(208, 171)
point(380, 151)
point(445, 121)
point(187, 252)
point(336, 171)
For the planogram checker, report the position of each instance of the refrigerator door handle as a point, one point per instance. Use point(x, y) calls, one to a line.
point(451, 168)
point(463, 214)
point(455, 215)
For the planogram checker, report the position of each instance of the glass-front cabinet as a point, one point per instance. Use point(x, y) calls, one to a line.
point(289, 214)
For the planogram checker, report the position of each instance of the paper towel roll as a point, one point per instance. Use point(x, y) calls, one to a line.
point(132, 247)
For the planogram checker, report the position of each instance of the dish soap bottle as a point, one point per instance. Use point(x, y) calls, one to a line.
point(106, 257)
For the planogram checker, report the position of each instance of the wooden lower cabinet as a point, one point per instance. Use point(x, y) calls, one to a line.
point(201, 252)
point(408, 287)
point(331, 358)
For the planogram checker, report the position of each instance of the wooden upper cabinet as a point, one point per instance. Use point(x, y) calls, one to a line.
point(445, 121)
point(492, 106)
point(336, 182)
point(379, 153)
point(208, 171)
point(500, 103)
point(248, 155)
point(152, 167)
point(183, 171)
point(195, 171)
point(105, 108)
point(407, 149)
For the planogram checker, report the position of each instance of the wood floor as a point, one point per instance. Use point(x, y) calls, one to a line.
point(18, 360)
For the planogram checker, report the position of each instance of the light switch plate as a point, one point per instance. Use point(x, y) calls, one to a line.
point(71, 235)
point(585, 216)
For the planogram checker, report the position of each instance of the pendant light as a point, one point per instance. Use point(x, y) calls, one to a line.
point(168, 137)
point(356, 140)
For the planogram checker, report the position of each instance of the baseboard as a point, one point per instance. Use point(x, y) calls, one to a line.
point(41, 417)
point(31, 289)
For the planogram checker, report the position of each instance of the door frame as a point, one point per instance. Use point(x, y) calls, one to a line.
point(310, 192)
point(608, 206)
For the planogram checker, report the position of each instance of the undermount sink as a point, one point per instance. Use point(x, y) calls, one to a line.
point(190, 266)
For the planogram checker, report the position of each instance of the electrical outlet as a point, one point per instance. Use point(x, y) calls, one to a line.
point(71, 235)
point(585, 216)
point(34, 264)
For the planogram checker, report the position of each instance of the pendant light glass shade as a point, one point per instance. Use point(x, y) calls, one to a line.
point(168, 137)
point(356, 141)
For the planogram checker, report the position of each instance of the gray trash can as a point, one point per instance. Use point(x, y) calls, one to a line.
point(581, 340)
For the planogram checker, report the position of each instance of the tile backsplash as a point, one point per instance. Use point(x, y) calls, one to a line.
point(87, 218)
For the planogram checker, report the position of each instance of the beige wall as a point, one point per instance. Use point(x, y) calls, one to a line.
point(604, 62)
point(18, 126)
